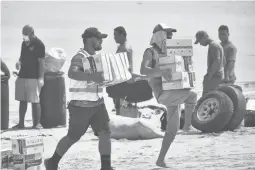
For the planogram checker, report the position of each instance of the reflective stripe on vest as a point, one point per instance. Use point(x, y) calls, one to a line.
point(81, 90)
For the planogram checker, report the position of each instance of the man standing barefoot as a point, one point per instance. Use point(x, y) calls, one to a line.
point(31, 77)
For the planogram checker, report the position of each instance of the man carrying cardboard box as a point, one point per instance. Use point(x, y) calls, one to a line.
point(87, 104)
point(170, 98)
point(215, 62)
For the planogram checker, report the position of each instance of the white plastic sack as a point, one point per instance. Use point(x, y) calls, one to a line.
point(132, 128)
point(54, 59)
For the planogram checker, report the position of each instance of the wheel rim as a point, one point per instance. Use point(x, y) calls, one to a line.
point(208, 110)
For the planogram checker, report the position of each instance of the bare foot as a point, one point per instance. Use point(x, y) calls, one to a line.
point(161, 164)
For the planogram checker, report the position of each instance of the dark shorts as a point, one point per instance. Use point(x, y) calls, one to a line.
point(81, 117)
point(211, 85)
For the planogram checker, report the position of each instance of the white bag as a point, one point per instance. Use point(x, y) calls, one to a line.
point(54, 60)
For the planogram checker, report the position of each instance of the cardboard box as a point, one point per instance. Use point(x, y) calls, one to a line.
point(27, 162)
point(27, 146)
point(174, 62)
point(180, 80)
point(182, 47)
point(6, 159)
point(114, 68)
point(119, 65)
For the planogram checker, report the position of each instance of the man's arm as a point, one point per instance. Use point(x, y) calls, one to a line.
point(146, 65)
point(216, 62)
point(230, 63)
point(130, 59)
point(76, 70)
point(41, 55)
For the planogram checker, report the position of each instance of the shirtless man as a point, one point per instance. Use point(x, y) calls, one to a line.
point(170, 98)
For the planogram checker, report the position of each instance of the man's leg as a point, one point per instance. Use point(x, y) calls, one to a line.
point(36, 113)
point(20, 95)
point(78, 124)
point(117, 105)
point(173, 124)
point(100, 123)
point(190, 104)
point(22, 113)
point(172, 99)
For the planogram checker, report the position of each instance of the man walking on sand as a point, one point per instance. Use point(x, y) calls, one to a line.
point(170, 98)
point(229, 53)
point(215, 62)
point(30, 77)
point(87, 104)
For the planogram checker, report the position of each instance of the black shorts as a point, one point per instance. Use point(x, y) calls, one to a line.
point(81, 117)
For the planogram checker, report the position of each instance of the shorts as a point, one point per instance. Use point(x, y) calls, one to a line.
point(27, 90)
point(177, 97)
point(80, 118)
point(211, 85)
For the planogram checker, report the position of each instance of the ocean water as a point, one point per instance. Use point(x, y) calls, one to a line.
point(60, 24)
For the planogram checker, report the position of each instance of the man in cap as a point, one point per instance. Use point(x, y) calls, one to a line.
point(87, 104)
point(170, 98)
point(215, 62)
point(30, 77)
point(229, 53)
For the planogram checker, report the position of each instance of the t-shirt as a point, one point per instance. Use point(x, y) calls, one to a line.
point(128, 49)
point(230, 55)
point(29, 58)
point(215, 52)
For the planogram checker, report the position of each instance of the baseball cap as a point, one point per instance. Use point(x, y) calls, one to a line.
point(200, 35)
point(163, 26)
point(93, 32)
point(27, 30)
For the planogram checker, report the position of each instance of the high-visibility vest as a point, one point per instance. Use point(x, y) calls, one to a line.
point(84, 90)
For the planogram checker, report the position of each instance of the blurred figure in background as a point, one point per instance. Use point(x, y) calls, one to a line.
point(229, 53)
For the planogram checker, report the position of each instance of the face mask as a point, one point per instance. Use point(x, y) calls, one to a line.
point(26, 39)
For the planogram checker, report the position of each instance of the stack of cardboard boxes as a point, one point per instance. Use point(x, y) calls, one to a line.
point(178, 57)
point(26, 154)
point(114, 68)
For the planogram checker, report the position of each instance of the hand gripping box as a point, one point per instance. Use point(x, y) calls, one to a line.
point(180, 80)
point(98, 63)
point(173, 62)
point(27, 162)
point(27, 145)
point(182, 47)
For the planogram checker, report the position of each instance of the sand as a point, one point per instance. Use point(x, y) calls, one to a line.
point(198, 151)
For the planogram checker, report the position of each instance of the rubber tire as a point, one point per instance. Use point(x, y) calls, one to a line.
point(226, 109)
point(237, 87)
point(239, 103)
